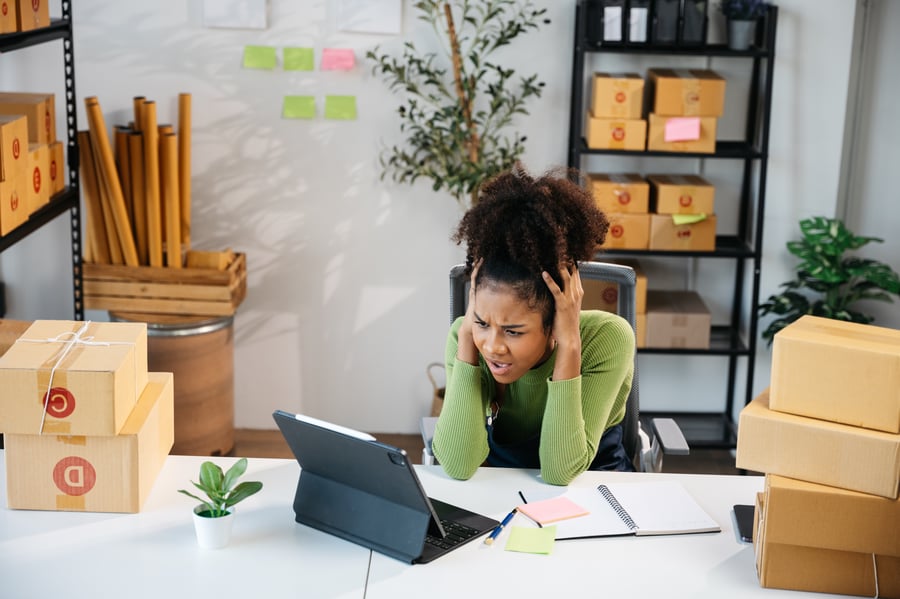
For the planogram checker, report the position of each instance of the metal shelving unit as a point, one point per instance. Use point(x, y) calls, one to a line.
point(69, 199)
point(709, 429)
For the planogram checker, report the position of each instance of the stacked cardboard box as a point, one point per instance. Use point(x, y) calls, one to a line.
point(13, 172)
point(827, 436)
point(86, 427)
point(682, 213)
point(615, 120)
point(677, 319)
point(683, 106)
point(23, 15)
point(625, 200)
point(604, 295)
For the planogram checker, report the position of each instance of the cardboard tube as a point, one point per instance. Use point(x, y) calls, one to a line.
point(151, 183)
point(109, 224)
point(161, 130)
point(96, 234)
point(138, 105)
point(184, 167)
point(123, 166)
point(168, 150)
point(136, 154)
point(107, 167)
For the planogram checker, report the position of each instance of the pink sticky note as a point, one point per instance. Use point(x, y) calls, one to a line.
point(552, 510)
point(337, 59)
point(682, 129)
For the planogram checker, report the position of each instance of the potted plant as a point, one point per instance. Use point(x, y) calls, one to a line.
point(214, 516)
point(829, 283)
point(741, 17)
point(456, 107)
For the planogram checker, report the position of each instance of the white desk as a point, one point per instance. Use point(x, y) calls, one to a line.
point(154, 553)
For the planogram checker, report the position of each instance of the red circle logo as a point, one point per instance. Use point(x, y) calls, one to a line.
point(618, 134)
point(693, 97)
point(35, 5)
point(74, 476)
point(683, 234)
point(624, 197)
point(685, 200)
point(60, 402)
point(610, 295)
point(620, 97)
point(53, 170)
point(14, 201)
point(15, 148)
point(617, 230)
point(36, 180)
point(4, 9)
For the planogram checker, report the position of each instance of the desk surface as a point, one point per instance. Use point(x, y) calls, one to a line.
point(154, 553)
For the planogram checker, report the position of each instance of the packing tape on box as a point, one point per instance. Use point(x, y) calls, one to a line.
point(70, 339)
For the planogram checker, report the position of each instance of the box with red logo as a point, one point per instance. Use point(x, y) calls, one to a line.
point(618, 95)
point(604, 295)
point(32, 14)
point(615, 134)
point(625, 192)
point(38, 176)
point(13, 202)
point(13, 146)
point(681, 194)
point(685, 92)
point(627, 231)
point(682, 134)
point(95, 474)
point(38, 108)
point(677, 319)
point(671, 233)
point(91, 373)
point(8, 21)
point(57, 168)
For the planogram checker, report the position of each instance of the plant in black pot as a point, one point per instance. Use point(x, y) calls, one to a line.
point(741, 17)
point(829, 282)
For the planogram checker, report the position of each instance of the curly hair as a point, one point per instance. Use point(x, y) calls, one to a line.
point(523, 226)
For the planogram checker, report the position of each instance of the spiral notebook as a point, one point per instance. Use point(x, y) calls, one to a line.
point(639, 508)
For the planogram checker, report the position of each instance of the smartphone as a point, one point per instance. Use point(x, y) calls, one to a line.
point(743, 514)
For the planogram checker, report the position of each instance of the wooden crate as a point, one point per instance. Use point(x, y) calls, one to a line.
point(156, 290)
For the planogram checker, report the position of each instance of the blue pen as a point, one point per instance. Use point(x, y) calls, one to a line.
point(490, 539)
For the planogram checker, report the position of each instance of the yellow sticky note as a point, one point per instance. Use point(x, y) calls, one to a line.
point(687, 219)
point(342, 108)
point(531, 540)
point(298, 59)
point(299, 107)
point(259, 57)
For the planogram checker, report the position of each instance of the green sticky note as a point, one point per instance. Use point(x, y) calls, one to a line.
point(299, 107)
point(341, 108)
point(687, 219)
point(531, 540)
point(298, 59)
point(259, 57)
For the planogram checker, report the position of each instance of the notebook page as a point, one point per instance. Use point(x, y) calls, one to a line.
point(662, 507)
point(602, 521)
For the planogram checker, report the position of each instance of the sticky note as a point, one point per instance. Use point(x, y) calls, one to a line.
point(299, 107)
point(552, 510)
point(341, 108)
point(687, 219)
point(531, 540)
point(337, 59)
point(298, 59)
point(682, 129)
point(259, 57)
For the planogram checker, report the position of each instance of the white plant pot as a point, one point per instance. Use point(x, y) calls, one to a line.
point(212, 533)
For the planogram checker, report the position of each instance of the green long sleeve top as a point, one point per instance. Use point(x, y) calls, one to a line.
point(569, 415)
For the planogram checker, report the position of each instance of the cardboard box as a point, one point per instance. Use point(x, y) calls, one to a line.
point(703, 142)
point(13, 146)
point(677, 319)
point(13, 202)
point(38, 108)
point(604, 295)
point(699, 236)
point(626, 192)
point(32, 14)
point(627, 231)
point(95, 474)
point(818, 451)
point(640, 327)
point(681, 194)
point(57, 168)
point(617, 95)
point(841, 371)
point(685, 92)
point(8, 16)
point(38, 176)
point(615, 134)
point(94, 386)
point(802, 568)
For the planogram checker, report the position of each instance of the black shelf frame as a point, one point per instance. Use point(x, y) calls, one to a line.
point(715, 429)
point(69, 200)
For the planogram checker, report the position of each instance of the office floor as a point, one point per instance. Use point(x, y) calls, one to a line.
point(270, 444)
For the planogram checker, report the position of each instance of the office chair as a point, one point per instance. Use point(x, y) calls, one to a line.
point(646, 449)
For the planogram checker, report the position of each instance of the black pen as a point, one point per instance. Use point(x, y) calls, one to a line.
point(490, 539)
point(526, 501)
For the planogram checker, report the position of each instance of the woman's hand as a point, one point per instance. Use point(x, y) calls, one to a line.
point(465, 348)
point(567, 321)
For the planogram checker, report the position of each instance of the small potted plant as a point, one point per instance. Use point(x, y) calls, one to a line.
point(828, 282)
point(741, 17)
point(214, 516)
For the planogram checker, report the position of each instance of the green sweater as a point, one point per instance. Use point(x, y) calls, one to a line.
point(570, 416)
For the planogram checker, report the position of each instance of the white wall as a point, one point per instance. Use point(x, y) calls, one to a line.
point(347, 299)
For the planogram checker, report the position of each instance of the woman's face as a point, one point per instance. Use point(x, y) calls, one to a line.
point(508, 333)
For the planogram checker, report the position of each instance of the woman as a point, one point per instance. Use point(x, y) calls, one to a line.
point(532, 380)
